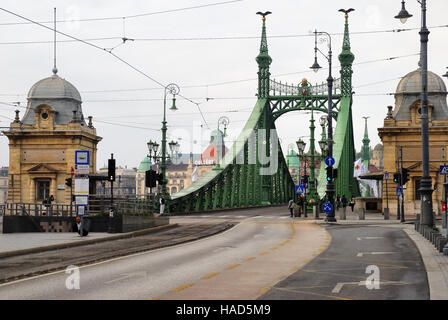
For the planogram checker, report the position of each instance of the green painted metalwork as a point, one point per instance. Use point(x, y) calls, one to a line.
point(242, 180)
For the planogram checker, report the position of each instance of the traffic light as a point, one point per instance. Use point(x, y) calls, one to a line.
point(111, 170)
point(332, 174)
point(305, 179)
point(404, 176)
point(150, 178)
point(68, 182)
point(397, 178)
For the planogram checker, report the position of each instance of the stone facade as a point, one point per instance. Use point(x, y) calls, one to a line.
point(401, 138)
point(42, 144)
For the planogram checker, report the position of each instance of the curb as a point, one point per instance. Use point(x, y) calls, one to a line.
point(85, 242)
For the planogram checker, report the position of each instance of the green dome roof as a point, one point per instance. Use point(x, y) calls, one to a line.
point(145, 165)
point(292, 159)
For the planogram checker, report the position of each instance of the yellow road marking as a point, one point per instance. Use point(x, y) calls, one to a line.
point(232, 266)
point(263, 253)
point(185, 286)
point(274, 248)
point(294, 269)
point(264, 290)
point(154, 299)
point(307, 260)
point(210, 275)
point(250, 259)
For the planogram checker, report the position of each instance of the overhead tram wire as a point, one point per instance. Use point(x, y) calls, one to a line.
point(221, 38)
point(129, 16)
point(230, 81)
point(111, 53)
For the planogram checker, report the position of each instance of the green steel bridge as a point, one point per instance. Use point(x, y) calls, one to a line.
point(254, 171)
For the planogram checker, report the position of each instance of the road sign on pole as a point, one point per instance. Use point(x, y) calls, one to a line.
point(399, 191)
point(444, 169)
point(386, 175)
point(305, 164)
point(329, 161)
point(327, 207)
point(299, 189)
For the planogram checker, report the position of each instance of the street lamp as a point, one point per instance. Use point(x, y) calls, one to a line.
point(323, 140)
point(403, 15)
point(426, 183)
point(330, 184)
point(225, 122)
point(301, 147)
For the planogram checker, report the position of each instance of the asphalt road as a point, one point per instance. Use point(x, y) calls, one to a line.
point(340, 271)
point(152, 274)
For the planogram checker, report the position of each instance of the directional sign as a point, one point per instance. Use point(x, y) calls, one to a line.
point(386, 175)
point(443, 169)
point(82, 157)
point(327, 207)
point(399, 191)
point(329, 161)
point(299, 189)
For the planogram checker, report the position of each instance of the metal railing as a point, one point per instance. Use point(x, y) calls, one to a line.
point(97, 205)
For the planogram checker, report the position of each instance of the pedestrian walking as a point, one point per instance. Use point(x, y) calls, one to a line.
point(352, 203)
point(291, 209)
point(338, 202)
point(162, 204)
point(344, 202)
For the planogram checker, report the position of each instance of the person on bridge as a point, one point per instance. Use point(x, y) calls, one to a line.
point(352, 203)
point(344, 202)
point(301, 204)
point(162, 204)
point(291, 209)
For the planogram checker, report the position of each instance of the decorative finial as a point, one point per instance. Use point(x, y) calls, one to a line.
point(17, 119)
point(90, 122)
point(55, 70)
point(264, 14)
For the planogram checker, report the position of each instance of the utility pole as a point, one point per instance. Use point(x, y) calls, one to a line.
point(402, 183)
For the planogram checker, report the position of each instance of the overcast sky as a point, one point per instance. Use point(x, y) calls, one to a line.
point(222, 70)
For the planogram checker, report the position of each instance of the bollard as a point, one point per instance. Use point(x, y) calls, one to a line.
point(362, 214)
point(343, 213)
point(386, 214)
point(315, 212)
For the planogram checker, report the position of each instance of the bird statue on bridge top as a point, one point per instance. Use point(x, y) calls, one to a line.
point(264, 14)
point(346, 11)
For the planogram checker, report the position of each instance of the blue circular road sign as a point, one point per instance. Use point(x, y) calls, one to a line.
point(327, 207)
point(329, 161)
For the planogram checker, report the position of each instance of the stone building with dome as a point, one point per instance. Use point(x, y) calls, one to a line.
point(43, 142)
point(401, 138)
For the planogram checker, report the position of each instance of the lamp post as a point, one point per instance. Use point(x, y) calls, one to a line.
point(426, 183)
point(315, 67)
point(301, 148)
point(219, 147)
point(323, 139)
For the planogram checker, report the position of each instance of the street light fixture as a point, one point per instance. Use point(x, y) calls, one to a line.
point(301, 146)
point(403, 15)
point(426, 182)
point(225, 122)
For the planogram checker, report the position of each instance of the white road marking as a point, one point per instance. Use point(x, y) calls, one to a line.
point(339, 285)
point(369, 238)
point(142, 274)
point(361, 254)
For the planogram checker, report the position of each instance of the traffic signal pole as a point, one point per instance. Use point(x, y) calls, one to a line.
point(402, 182)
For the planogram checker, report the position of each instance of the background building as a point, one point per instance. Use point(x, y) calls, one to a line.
point(124, 184)
point(3, 184)
point(42, 144)
point(401, 137)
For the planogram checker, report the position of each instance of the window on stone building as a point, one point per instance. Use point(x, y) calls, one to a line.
point(43, 189)
point(173, 190)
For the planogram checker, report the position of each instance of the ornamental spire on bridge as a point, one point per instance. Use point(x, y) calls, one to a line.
point(346, 58)
point(263, 60)
point(365, 151)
